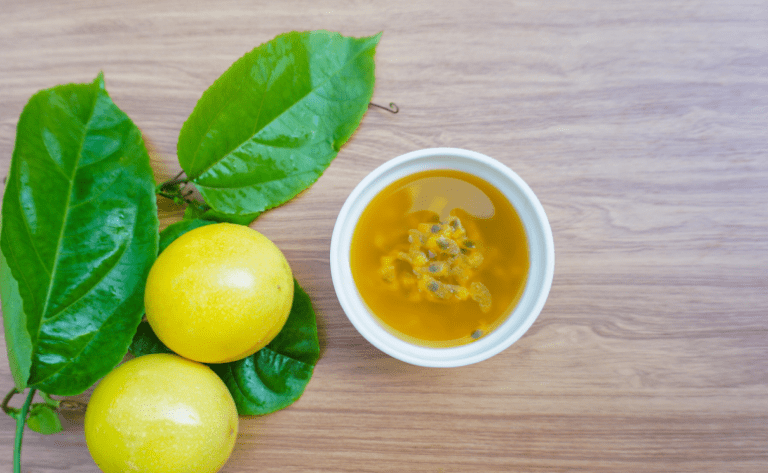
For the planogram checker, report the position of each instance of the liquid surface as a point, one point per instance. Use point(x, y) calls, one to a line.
point(437, 292)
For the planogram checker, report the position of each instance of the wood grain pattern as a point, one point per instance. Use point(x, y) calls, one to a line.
point(641, 126)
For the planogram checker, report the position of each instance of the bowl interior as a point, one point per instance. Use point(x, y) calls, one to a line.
point(540, 248)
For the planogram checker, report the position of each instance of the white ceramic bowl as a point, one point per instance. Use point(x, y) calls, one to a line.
point(540, 247)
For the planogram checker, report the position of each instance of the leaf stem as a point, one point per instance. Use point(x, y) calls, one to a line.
point(174, 189)
point(20, 421)
point(178, 198)
point(174, 181)
point(7, 399)
point(167, 195)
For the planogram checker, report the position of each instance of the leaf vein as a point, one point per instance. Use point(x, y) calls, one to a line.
point(249, 184)
point(67, 210)
point(277, 116)
point(60, 311)
point(28, 229)
point(24, 276)
point(104, 190)
point(210, 125)
point(104, 328)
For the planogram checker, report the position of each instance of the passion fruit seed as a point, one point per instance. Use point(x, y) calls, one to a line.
point(443, 261)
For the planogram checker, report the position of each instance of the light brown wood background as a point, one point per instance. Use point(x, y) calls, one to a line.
point(641, 125)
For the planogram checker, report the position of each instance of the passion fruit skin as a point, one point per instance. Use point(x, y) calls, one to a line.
point(161, 413)
point(219, 293)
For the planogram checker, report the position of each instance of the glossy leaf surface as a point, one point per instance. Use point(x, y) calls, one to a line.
point(274, 121)
point(79, 235)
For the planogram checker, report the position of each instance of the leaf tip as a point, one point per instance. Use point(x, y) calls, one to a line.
point(99, 81)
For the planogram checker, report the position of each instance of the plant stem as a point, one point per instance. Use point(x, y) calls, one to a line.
point(174, 181)
point(7, 399)
point(173, 189)
point(20, 421)
point(167, 195)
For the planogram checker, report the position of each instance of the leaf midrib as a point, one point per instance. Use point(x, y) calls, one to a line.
point(245, 391)
point(59, 245)
point(210, 125)
point(295, 103)
point(252, 184)
point(67, 207)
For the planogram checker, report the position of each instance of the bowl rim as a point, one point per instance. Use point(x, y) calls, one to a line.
point(541, 253)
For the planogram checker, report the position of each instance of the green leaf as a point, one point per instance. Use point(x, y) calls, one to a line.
point(239, 219)
point(270, 379)
point(18, 342)
point(273, 122)
point(203, 212)
point(43, 419)
point(80, 232)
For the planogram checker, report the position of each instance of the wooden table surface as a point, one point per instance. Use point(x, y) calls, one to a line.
point(642, 126)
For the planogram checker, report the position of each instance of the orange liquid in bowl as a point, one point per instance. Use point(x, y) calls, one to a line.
point(440, 258)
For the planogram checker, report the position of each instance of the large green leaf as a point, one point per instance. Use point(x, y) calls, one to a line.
point(270, 379)
point(274, 121)
point(79, 234)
